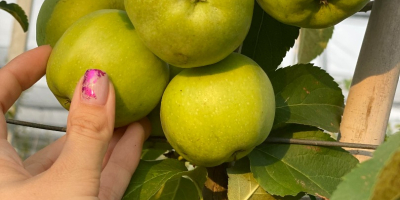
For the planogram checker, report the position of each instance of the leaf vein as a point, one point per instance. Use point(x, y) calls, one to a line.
point(295, 169)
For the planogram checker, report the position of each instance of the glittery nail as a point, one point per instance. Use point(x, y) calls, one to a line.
point(95, 87)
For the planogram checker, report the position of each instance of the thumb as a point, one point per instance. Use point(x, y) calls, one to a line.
point(89, 128)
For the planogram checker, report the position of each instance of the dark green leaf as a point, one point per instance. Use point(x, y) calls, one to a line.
point(283, 169)
point(268, 40)
point(312, 43)
point(312, 197)
point(152, 176)
point(153, 150)
point(243, 186)
point(198, 176)
point(377, 178)
point(305, 94)
point(17, 12)
point(178, 189)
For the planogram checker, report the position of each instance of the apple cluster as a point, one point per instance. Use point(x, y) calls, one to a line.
point(219, 104)
point(217, 108)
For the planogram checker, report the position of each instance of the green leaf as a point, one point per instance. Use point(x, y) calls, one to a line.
point(153, 150)
point(241, 183)
point(177, 189)
point(243, 186)
point(305, 94)
point(388, 183)
point(312, 197)
point(17, 12)
point(150, 176)
point(153, 180)
point(377, 178)
point(287, 169)
point(268, 40)
point(198, 176)
point(312, 43)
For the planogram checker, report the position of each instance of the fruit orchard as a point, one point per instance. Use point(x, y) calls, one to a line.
point(207, 74)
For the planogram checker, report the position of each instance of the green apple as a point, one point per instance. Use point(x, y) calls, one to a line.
point(218, 113)
point(311, 13)
point(55, 16)
point(107, 40)
point(191, 33)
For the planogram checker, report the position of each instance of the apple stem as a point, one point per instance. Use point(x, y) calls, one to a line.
point(324, 2)
point(216, 185)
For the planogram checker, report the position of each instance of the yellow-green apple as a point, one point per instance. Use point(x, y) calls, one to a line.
point(55, 16)
point(106, 40)
point(218, 113)
point(311, 13)
point(191, 33)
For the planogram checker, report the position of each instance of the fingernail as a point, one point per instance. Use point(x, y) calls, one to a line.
point(95, 87)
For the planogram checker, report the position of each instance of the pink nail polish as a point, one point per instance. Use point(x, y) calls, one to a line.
point(95, 87)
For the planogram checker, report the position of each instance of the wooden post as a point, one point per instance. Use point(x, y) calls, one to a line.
point(18, 40)
point(375, 79)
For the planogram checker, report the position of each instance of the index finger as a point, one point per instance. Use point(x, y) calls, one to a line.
point(21, 73)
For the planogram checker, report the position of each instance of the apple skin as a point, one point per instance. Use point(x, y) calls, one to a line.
point(218, 113)
point(107, 40)
point(191, 33)
point(55, 16)
point(311, 13)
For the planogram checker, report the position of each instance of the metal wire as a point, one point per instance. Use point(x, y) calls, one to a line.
point(36, 125)
point(269, 140)
point(320, 143)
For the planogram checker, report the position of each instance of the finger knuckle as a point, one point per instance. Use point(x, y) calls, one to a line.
point(84, 125)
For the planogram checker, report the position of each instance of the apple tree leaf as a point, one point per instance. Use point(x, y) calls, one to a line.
point(153, 149)
point(243, 186)
point(17, 12)
point(152, 178)
point(312, 43)
point(388, 183)
point(305, 94)
point(198, 176)
point(376, 178)
point(179, 188)
point(268, 40)
point(287, 169)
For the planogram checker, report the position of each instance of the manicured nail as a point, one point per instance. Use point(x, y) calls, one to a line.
point(95, 87)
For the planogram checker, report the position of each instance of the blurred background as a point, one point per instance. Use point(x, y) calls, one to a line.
point(38, 104)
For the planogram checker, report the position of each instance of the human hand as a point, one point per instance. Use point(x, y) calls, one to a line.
point(89, 162)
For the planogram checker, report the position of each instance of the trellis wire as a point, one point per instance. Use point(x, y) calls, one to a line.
point(36, 125)
point(269, 140)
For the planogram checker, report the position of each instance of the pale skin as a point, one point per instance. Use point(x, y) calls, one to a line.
point(92, 161)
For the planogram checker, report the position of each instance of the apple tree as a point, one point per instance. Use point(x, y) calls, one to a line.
point(305, 101)
point(309, 105)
